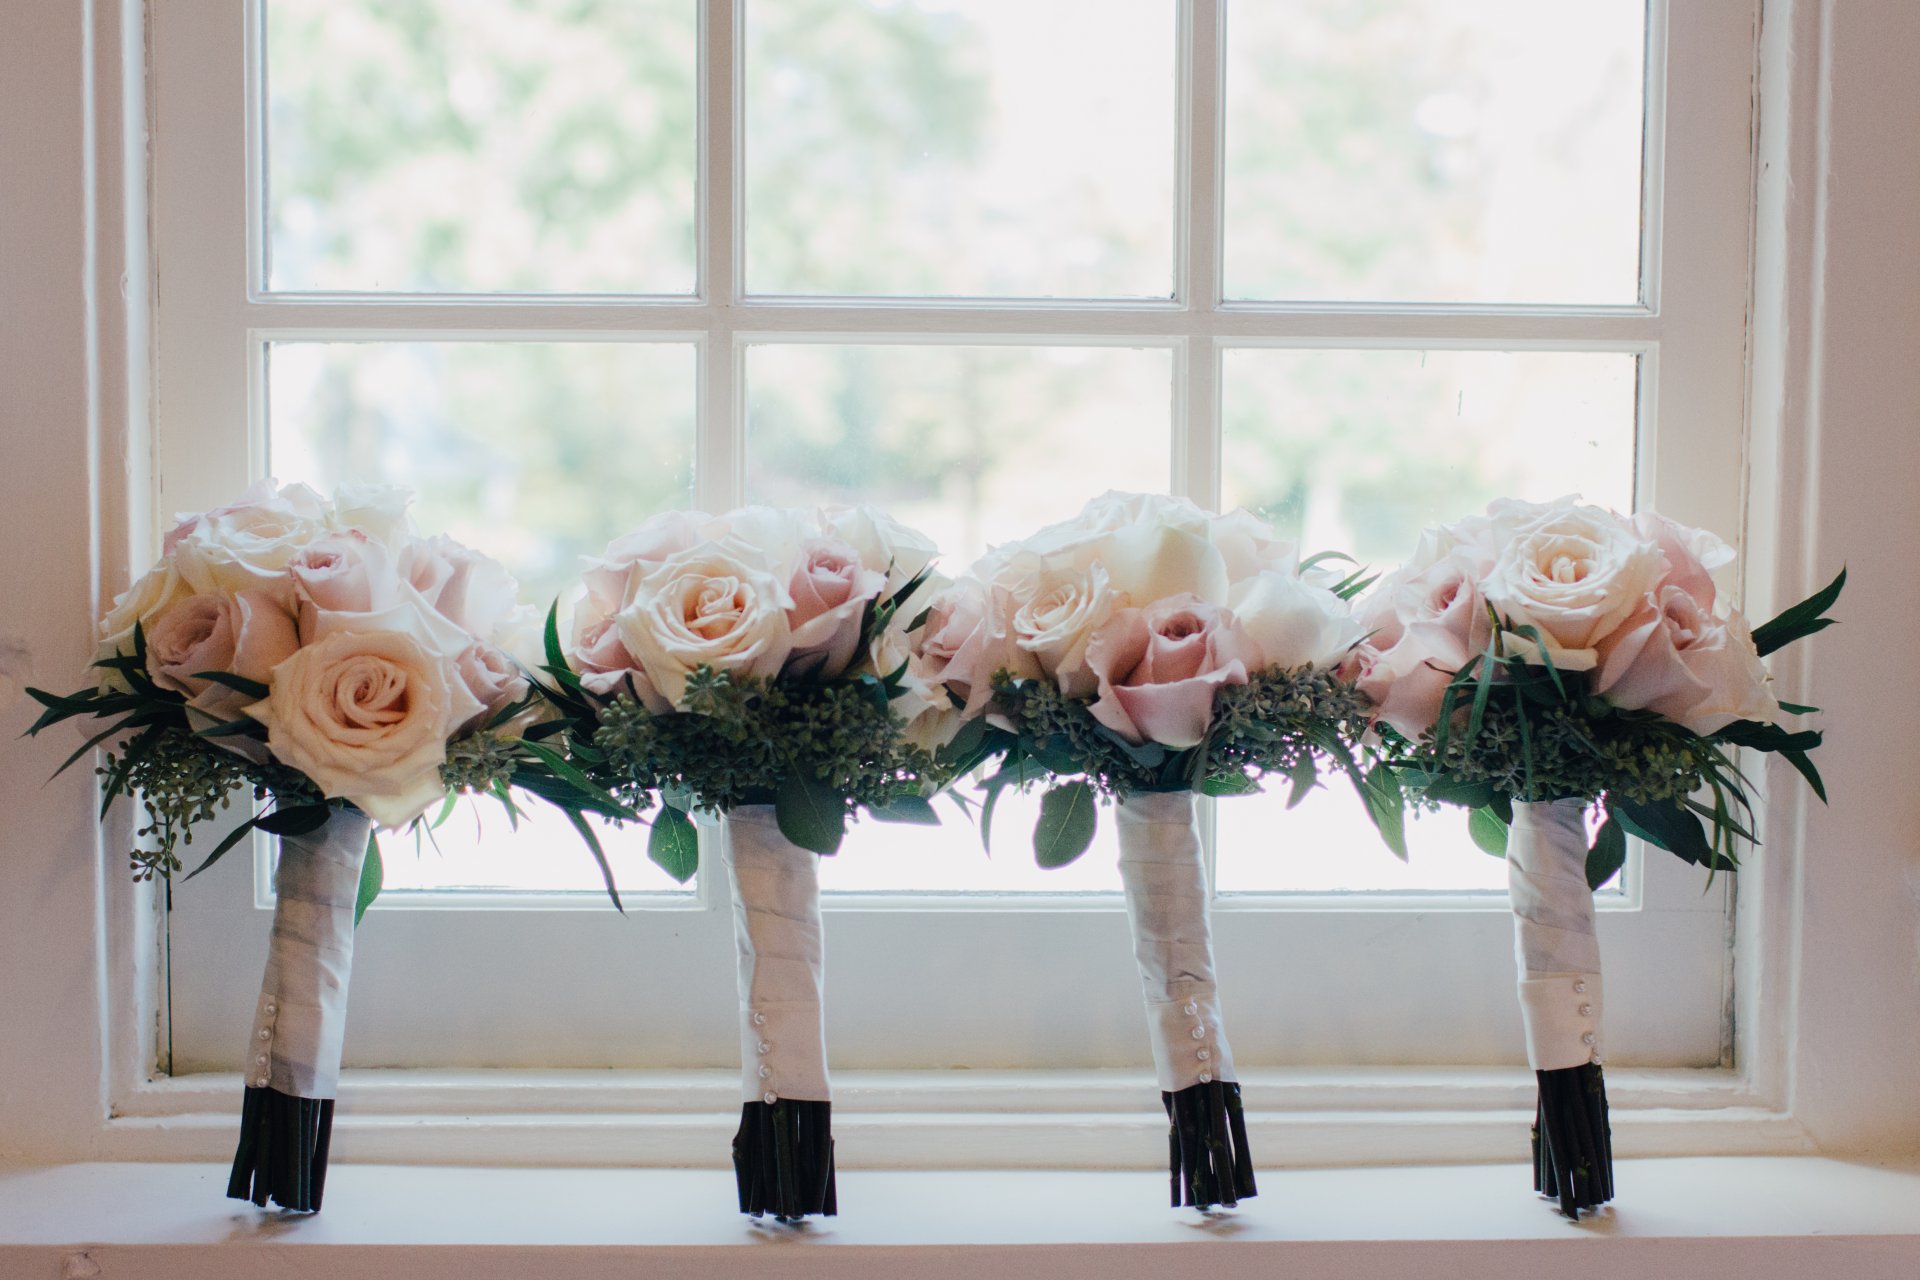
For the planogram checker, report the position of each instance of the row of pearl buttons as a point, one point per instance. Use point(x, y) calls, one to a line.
point(265, 1035)
point(1192, 1010)
point(763, 1049)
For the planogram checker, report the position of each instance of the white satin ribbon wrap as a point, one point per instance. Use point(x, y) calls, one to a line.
point(300, 1022)
point(776, 927)
point(1166, 887)
point(1553, 933)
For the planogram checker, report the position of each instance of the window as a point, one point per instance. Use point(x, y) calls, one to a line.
point(557, 265)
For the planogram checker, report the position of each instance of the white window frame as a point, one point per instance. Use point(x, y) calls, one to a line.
point(1690, 319)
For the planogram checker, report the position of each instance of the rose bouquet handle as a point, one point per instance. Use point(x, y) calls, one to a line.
point(783, 1151)
point(1558, 958)
point(1166, 890)
point(299, 1025)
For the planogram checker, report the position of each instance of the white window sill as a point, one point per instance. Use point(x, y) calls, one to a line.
point(1753, 1217)
point(958, 1119)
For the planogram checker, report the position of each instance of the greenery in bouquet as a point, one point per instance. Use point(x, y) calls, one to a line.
point(1559, 651)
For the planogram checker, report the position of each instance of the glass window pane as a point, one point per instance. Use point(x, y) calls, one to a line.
point(484, 146)
point(973, 446)
point(967, 147)
point(1358, 451)
point(1429, 150)
point(537, 454)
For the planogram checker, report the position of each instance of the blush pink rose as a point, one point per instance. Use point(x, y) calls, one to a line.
point(246, 635)
point(344, 573)
point(473, 591)
point(493, 678)
point(607, 668)
point(959, 646)
point(1159, 667)
point(1407, 682)
point(1692, 554)
point(1675, 658)
point(831, 589)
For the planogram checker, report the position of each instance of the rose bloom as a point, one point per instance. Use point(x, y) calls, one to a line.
point(246, 635)
point(493, 678)
point(958, 647)
point(343, 573)
point(1054, 619)
point(884, 544)
point(250, 544)
point(1574, 572)
point(377, 510)
point(1294, 623)
point(138, 606)
point(366, 715)
point(831, 590)
point(473, 591)
point(1675, 658)
point(1159, 667)
point(711, 607)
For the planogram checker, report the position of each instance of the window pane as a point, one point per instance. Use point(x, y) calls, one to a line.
point(973, 446)
point(536, 453)
point(984, 147)
point(1434, 151)
point(1358, 451)
point(488, 145)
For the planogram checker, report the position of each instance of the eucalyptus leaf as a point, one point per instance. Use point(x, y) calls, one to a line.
point(811, 814)
point(911, 809)
point(1608, 854)
point(674, 844)
point(1488, 831)
point(1066, 825)
point(373, 878)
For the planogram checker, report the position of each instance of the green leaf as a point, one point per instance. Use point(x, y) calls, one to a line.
point(581, 825)
point(298, 821)
point(1386, 805)
point(1488, 831)
point(674, 844)
point(1304, 777)
point(1801, 620)
point(239, 684)
point(1231, 784)
point(811, 814)
point(373, 877)
point(1608, 854)
point(1066, 825)
point(911, 809)
point(1671, 827)
point(233, 838)
point(1800, 761)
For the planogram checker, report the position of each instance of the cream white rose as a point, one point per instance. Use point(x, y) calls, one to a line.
point(1675, 658)
point(250, 544)
point(1056, 616)
point(377, 510)
point(366, 715)
point(706, 607)
point(473, 591)
point(1295, 623)
point(1576, 573)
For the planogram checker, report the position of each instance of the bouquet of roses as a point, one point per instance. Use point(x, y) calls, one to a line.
point(347, 672)
point(756, 666)
point(1145, 651)
point(1544, 661)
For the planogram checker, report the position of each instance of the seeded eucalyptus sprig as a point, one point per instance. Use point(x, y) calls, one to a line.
point(1512, 729)
point(186, 774)
point(1286, 723)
